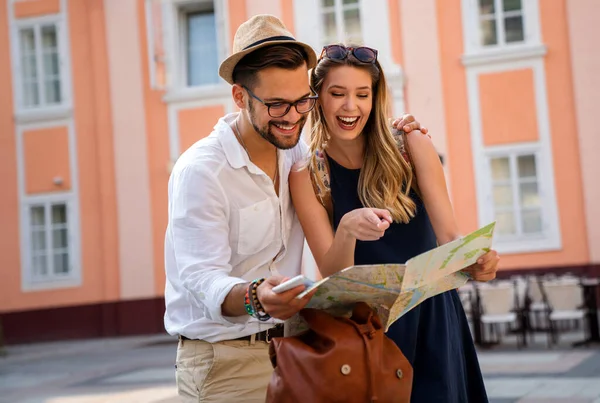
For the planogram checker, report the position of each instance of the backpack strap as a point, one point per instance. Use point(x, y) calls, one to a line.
point(320, 177)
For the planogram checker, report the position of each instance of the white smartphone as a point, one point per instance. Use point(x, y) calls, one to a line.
point(292, 283)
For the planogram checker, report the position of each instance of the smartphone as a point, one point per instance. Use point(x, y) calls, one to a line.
point(292, 283)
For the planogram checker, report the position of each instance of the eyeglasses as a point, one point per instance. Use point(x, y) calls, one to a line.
point(281, 108)
point(338, 52)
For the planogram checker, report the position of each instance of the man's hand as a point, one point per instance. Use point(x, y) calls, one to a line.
point(407, 124)
point(366, 224)
point(486, 267)
point(284, 305)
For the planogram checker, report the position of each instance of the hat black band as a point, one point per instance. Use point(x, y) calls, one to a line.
point(273, 38)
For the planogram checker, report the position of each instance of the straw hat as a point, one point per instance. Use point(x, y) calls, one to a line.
point(258, 32)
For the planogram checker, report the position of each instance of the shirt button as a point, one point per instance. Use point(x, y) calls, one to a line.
point(399, 374)
point(345, 369)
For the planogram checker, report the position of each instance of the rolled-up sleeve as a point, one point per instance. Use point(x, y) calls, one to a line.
point(300, 156)
point(199, 215)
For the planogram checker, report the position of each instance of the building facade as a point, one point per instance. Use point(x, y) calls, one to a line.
point(100, 97)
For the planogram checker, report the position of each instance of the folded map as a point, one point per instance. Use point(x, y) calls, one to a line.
point(395, 289)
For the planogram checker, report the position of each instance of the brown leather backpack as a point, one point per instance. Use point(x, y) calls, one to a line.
point(339, 360)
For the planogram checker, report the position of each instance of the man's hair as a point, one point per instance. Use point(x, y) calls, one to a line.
point(288, 57)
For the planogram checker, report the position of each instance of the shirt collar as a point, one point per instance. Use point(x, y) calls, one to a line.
point(234, 152)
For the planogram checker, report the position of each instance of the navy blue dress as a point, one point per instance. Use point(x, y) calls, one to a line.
point(434, 336)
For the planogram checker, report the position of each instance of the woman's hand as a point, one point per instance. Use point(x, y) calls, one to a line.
point(486, 267)
point(365, 224)
point(407, 124)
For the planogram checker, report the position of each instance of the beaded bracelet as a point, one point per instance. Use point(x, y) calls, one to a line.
point(253, 306)
point(248, 302)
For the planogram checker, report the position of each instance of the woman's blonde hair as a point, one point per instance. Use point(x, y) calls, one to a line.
point(385, 178)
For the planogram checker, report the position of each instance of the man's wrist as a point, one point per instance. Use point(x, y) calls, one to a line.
point(256, 308)
point(233, 304)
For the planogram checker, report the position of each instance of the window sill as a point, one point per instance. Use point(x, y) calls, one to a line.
point(43, 114)
point(527, 245)
point(503, 54)
point(51, 284)
point(197, 93)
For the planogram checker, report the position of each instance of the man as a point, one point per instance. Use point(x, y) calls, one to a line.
point(232, 224)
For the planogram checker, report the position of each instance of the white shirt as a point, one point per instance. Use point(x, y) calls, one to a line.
point(226, 226)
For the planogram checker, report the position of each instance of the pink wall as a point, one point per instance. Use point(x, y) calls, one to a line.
point(584, 31)
point(421, 64)
point(131, 150)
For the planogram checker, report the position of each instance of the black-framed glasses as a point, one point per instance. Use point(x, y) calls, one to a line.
point(279, 109)
point(339, 52)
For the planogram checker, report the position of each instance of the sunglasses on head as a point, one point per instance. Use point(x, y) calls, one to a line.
point(339, 52)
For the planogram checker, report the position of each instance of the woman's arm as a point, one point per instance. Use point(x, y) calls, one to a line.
point(333, 253)
point(432, 185)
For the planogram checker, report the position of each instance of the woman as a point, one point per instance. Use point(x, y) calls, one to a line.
point(386, 209)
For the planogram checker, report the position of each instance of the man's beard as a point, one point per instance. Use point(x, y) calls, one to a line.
point(266, 133)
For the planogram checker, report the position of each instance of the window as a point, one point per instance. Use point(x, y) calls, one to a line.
point(341, 21)
point(50, 250)
point(40, 67)
point(200, 45)
point(516, 196)
point(501, 22)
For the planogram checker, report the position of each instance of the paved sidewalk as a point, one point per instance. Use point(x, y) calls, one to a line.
point(124, 370)
point(140, 370)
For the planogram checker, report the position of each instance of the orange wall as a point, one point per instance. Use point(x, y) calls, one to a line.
point(503, 95)
point(34, 8)
point(565, 148)
point(562, 126)
point(96, 183)
point(10, 275)
point(96, 81)
point(157, 129)
point(396, 32)
point(94, 148)
point(197, 123)
point(237, 15)
point(46, 153)
point(454, 85)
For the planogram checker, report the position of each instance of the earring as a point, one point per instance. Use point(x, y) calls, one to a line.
point(326, 141)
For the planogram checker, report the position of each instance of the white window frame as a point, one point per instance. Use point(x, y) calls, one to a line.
point(30, 282)
point(499, 17)
point(374, 14)
point(476, 52)
point(546, 239)
point(43, 110)
point(174, 22)
point(338, 9)
point(69, 197)
point(183, 13)
point(551, 240)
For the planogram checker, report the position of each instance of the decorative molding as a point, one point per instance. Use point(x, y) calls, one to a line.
point(504, 55)
point(192, 94)
point(44, 115)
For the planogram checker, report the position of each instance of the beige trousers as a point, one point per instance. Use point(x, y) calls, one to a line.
point(223, 372)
